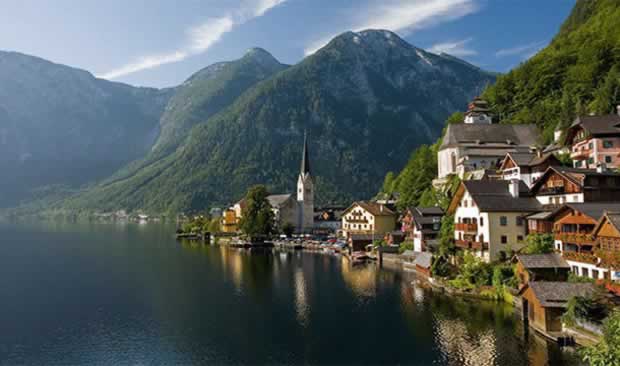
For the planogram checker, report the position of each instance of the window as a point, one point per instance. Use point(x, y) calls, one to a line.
point(595, 274)
point(465, 203)
point(519, 221)
point(590, 146)
point(503, 220)
point(608, 144)
point(608, 159)
point(584, 271)
point(482, 221)
point(578, 164)
point(504, 239)
point(590, 160)
point(576, 270)
point(575, 198)
point(519, 238)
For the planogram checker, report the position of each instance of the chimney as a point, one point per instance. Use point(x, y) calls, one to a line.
point(513, 188)
point(601, 168)
point(381, 208)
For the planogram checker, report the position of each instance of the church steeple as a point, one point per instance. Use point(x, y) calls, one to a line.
point(305, 161)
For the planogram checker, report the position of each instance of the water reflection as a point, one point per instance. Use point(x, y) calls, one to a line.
point(117, 294)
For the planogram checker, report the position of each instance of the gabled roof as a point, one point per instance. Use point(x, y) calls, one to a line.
point(425, 215)
point(525, 159)
point(606, 125)
point(494, 196)
point(557, 294)
point(277, 200)
point(481, 134)
point(612, 217)
point(376, 209)
point(540, 261)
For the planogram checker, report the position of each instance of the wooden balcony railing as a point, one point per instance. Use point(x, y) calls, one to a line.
point(575, 238)
point(580, 154)
point(466, 227)
point(608, 243)
point(467, 244)
point(552, 190)
point(609, 258)
point(580, 257)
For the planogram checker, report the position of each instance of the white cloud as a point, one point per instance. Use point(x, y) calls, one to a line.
point(403, 16)
point(527, 49)
point(454, 48)
point(199, 38)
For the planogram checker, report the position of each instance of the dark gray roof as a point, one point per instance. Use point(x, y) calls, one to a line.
point(502, 135)
point(305, 160)
point(557, 294)
point(494, 196)
point(614, 218)
point(599, 125)
point(530, 158)
point(408, 253)
point(550, 260)
point(276, 200)
point(426, 215)
point(540, 215)
point(437, 211)
point(374, 208)
point(424, 259)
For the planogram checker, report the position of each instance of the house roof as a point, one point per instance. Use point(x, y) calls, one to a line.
point(424, 259)
point(612, 217)
point(425, 215)
point(606, 125)
point(538, 261)
point(480, 134)
point(524, 159)
point(494, 196)
point(277, 200)
point(594, 210)
point(374, 208)
point(363, 237)
point(540, 215)
point(409, 253)
point(557, 294)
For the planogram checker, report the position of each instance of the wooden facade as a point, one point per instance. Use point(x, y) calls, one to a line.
point(541, 318)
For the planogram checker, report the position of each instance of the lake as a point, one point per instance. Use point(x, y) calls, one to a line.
point(130, 294)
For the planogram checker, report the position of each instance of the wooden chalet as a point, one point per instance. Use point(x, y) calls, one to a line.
point(607, 236)
point(560, 185)
point(527, 166)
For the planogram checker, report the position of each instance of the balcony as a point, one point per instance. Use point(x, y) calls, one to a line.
point(356, 220)
point(609, 243)
point(467, 244)
point(580, 154)
point(580, 257)
point(469, 228)
point(575, 238)
point(552, 190)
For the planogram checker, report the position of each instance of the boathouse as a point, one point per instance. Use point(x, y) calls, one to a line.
point(544, 303)
point(541, 267)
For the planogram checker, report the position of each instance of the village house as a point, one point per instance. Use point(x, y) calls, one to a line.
point(489, 216)
point(595, 140)
point(560, 185)
point(230, 221)
point(368, 218)
point(544, 303)
point(421, 225)
point(573, 227)
point(479, 144)
point(607, 234)
point(328, 219)
point(541, 267)
point(527, 166)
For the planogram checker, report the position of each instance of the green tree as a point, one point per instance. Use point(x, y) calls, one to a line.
point(214, 225)
point(607, 352)
point(446, 236)
point(456, 117)
point(388, 183)
point(257, 216)
point(288, 229)
point(539, 244)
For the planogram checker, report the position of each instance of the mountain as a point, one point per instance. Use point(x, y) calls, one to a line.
point(366, 100)
point(578, 73)
point(61, 125)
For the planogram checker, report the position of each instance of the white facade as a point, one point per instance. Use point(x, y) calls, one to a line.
point(305, 200)
point(558, 199)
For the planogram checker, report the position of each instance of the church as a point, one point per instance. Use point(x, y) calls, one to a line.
point(292, 209)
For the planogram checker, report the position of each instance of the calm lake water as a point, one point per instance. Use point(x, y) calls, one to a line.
point(130, 294)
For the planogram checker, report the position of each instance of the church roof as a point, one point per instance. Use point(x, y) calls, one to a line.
point(461, 134)
point(305, 160)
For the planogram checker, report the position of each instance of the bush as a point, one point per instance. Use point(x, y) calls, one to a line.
point(607, 352)
point(539, 244)
point(406, 245)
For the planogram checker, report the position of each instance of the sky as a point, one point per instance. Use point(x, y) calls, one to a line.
point(160, 43)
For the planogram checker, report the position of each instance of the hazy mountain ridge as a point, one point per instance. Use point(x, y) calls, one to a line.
point(367, 100)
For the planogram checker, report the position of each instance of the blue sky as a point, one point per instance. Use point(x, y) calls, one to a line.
point(162, 42)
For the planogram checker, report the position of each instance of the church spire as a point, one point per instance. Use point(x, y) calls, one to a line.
point(305, 162)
